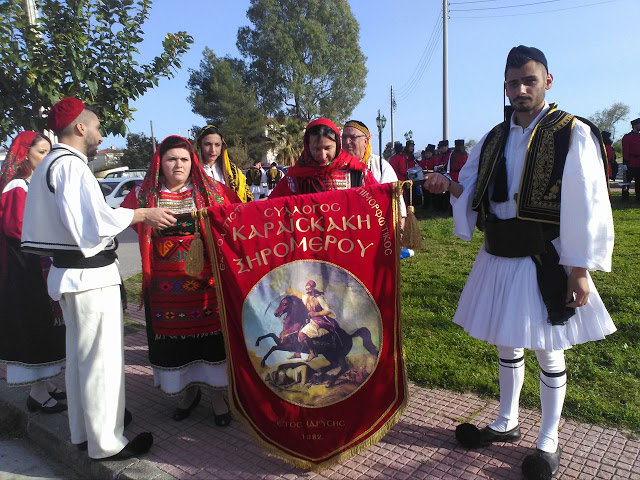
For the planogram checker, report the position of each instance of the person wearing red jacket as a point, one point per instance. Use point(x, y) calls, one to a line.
point(631, 157)
point(427, 156)
point(399, 162)
point(612, 165)
point(457, 159)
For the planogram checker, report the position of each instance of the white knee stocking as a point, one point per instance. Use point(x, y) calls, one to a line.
point(553, 386)
point(511, 375)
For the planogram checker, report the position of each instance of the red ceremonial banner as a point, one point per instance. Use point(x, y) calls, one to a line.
point(308, 289)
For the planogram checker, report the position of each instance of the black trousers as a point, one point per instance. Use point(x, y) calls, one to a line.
point(631, 174)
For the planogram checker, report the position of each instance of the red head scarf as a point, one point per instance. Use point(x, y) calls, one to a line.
point(307, 171)
point(17, 154)
point(206, 192)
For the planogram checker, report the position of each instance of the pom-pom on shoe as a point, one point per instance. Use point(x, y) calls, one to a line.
point(541, 465)
point(469, 436)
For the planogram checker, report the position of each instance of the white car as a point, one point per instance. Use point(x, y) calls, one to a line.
point(116, 189)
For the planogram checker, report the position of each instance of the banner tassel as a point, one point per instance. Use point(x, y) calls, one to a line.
point(411, 236)
point(195, 258)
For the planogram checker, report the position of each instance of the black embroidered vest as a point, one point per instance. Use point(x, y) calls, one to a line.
point(538, 197)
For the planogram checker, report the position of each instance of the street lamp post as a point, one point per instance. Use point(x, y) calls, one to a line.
point(381, 121)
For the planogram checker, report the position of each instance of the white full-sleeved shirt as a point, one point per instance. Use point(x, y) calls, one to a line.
point(586, 222)
point(215, 171)
point(88, 219)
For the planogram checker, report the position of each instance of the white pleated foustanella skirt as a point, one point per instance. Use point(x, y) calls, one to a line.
point(502, 305)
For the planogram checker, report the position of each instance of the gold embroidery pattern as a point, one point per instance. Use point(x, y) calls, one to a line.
point(491, 151)
point(539, 192)
point(177, 205)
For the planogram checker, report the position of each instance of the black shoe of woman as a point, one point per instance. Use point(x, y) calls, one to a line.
point(57, 394)
point(224, 419)
point(35, 406)
point(182, 413)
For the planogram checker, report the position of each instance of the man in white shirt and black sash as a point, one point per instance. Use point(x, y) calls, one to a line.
point(536, 185)
point(67, 217)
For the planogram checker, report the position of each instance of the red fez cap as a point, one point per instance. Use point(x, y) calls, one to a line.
point(311, 284)
point(63, 113)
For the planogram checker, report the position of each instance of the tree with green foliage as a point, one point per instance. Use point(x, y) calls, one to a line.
point(469, 144)
point(220, 93)
point(138, 152)
point(286, 139)
point(607, 118)
point(305, 57)
point(78, 48)
point(388, 151)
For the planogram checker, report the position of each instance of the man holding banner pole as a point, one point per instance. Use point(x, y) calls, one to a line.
point(536, 186)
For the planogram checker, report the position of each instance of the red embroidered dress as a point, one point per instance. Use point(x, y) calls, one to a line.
point(183, 325)
point(32, 342)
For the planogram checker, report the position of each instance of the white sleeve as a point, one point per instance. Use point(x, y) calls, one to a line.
point(83, 210)
point(586, 221)
point(388, 175)
point(464, 217)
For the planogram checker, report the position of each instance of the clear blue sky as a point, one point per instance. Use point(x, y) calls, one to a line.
point(590, 51)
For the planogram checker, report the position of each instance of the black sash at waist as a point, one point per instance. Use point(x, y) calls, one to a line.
point(513, 237)
point(75, 259)
point(522, 238)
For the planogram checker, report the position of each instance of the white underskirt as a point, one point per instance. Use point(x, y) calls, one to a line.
point(502, 305)
point(18, 375)
point(172, 382)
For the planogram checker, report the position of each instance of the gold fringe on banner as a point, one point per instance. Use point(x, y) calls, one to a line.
point(195, 258)
point(351, 449)
point(411, 236)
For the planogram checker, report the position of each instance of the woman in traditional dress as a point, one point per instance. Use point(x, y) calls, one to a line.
point(186, 347)
point(212, 150)
point(32, 342)
point(323, 164)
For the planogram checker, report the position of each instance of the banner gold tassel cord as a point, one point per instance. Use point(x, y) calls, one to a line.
point(195, 258)
point(411, 237)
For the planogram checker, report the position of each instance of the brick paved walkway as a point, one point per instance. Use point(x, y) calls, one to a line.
point(420, 446)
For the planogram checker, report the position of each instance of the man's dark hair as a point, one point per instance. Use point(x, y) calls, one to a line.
point(520, 55)
point(397, 147)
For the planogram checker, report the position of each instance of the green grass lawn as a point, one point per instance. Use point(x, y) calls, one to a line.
point(604, 377)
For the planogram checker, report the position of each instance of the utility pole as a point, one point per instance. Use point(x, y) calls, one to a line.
point(153, 138)
point(30, 11)
point(445, 73)
point(32, 14)
point(392, 116)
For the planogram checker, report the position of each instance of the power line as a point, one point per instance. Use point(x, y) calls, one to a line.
point(423, 57)
point(410, 89)
point(473, 1)
point(505, 6)
point(543, 11)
